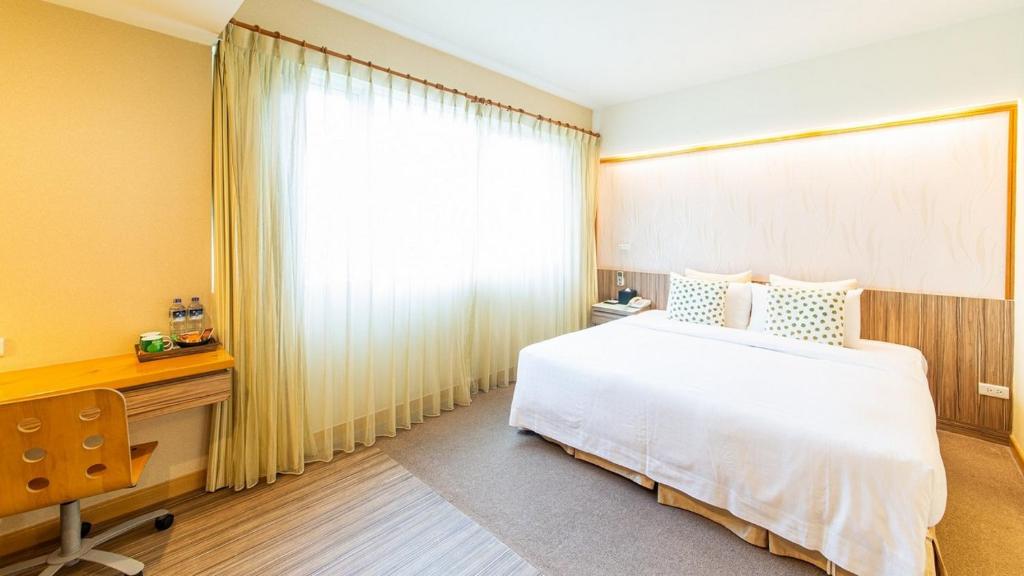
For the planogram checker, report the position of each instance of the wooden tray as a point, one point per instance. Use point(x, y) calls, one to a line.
point(210, 346)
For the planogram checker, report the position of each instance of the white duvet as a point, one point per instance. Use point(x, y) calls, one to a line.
point(832, 448)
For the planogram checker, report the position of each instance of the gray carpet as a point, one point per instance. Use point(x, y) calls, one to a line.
point(562, 515)
point(568, 517)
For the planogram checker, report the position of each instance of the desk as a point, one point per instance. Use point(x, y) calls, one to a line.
point(150, 388)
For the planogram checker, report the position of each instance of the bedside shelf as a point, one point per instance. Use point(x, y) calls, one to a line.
point(601, 312)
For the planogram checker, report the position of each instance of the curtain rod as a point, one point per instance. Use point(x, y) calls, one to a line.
point(410, 77)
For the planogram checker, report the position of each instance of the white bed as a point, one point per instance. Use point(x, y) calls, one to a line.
point(832, 448)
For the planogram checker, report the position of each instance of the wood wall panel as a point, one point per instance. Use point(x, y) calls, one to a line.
point(965, 340)
point(654, 287)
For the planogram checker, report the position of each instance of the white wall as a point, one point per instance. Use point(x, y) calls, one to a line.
point(978, 62)
point(973, 63)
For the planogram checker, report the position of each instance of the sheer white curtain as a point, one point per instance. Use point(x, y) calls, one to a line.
point(430, 239)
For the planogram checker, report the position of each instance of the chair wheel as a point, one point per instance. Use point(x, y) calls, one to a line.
point(163, 523)
point(86, 528)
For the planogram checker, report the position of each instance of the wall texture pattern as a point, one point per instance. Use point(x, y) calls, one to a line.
point(917, 208)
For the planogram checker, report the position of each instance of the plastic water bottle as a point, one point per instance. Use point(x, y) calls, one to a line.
point(195, 315)
point(178, 317)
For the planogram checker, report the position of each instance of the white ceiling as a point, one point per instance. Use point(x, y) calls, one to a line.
point(604, 52)
point(195, 20)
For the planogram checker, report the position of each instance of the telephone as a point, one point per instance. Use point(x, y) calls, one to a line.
point(638, 302)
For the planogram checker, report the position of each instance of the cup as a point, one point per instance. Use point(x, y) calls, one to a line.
point(151, 342)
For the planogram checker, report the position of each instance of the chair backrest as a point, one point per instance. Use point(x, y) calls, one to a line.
point(61, 448)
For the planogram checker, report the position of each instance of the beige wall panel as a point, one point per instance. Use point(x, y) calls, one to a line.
point(917, 208)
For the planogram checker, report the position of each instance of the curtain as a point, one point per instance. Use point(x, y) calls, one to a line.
point(383, 250)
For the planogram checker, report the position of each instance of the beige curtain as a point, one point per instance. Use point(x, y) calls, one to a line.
point(259, 102)
point(382, 250)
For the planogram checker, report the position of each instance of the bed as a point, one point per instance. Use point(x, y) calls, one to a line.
point(830, 449)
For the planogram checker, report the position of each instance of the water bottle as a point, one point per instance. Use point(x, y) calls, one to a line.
point(195, 315)
point(178, 316)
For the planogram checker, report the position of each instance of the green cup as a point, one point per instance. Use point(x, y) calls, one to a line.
point(151, 342)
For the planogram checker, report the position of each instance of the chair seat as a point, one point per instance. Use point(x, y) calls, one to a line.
point(140, 456)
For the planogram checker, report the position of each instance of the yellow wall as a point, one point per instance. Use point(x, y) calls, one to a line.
point(323, 26)
point(104, 197)
point(105, 181)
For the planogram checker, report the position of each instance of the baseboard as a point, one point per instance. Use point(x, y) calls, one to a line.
point(988, 434)
point(1018, 454)
point(133, 501)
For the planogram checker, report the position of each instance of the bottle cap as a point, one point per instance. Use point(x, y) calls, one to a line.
point(195, 298)
point(177, 300)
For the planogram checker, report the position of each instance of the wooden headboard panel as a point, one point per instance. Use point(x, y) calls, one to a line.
point(965, 340)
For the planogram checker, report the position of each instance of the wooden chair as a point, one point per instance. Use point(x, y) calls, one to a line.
point(60, 449)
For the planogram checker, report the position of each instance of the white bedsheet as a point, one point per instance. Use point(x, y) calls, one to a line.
point(832, 448)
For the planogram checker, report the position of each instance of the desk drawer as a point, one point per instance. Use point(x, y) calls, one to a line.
point(165, 397)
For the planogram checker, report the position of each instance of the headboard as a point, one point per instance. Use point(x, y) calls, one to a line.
point(922, 205)
point(965, 340)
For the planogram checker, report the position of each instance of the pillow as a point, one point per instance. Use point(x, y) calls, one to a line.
point(758, 308)
point(852, 320)
point(696, 301)
point(737, 297)
point(776, 280)
point(737, 277)
point(737, 305)
point(811, 314)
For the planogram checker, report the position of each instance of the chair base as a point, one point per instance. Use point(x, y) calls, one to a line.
point(74, 548)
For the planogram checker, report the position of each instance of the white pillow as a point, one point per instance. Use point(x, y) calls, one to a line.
point(737, 298)
point(852, 335)
point(737, 277)
point(851, 332)
point(737, 305)
point(776, 280)
point(758, 308)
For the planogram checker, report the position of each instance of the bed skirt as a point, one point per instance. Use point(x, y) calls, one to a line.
point(750, 533)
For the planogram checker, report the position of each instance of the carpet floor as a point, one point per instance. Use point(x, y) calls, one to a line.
point(567, 517)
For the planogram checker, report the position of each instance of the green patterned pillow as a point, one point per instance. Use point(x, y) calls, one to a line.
point(808, 314)
point(697, 301)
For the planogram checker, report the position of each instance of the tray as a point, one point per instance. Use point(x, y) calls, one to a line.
point(210, 346)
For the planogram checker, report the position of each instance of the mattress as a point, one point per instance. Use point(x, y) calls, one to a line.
point(831, 448)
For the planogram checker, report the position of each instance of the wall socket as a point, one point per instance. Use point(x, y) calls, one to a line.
point(994, 391)
point(620, 278)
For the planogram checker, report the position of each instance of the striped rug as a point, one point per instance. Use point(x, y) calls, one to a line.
point(361, 514)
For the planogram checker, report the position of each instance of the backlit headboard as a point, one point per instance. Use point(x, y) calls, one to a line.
point(920, 205)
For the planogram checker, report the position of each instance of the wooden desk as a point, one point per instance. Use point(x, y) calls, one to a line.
point(150, 388)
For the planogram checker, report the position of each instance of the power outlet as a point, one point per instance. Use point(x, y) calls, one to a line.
point(620, 278)
point(994, 391)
